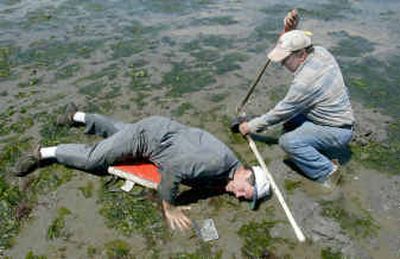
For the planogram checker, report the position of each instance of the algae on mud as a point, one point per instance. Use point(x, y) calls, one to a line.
point(67, 71)
point(217, 20)
point(358, 224)
point(131, 213)
point(31, 255)
point(351, 46)
point(51, 54)
point(57, 226)
point(16, 202)
point(182, 109)
point(118, 249)
point(5, 68)
point(183, 79)
point(108, 23)
point(329, 253)
point(203, 250)
point(332, 10)
point(257, 239)
point(291, 185)
point(87, 190)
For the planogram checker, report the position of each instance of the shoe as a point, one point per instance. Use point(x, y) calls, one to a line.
point(27, 163)
point(66, 119)
point(332, 179)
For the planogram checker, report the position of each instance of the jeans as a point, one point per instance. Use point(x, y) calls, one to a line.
point(308, 143)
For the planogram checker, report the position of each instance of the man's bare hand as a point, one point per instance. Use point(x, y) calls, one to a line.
point(291, 20)
point(175, 216)
point(244, 128)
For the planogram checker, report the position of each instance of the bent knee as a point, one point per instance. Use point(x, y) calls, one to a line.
point(288, 142)
point(93, 164)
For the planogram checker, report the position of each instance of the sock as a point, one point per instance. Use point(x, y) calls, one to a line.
point(47, 152)
point(79, 117)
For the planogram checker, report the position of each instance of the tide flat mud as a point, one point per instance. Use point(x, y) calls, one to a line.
point(193, 61)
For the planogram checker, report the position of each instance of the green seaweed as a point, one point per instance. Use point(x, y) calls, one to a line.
point(257, 239)
point(50, 178)
point(139, 99)
point(209, 40)
point(51, 134)
point(93, 89)
point(12, 2)
point(127, 48)
point(91, 251)
point(229, 62)
point(5, 66)
point(332, 10)
point(291, 185)
point(31, 255)
point(374, 82)
point(329, 253)
point(267, 31)
point(378, 156)
point(18, 127)
point(182, 79)
point(38, 16)
point(87, 190)
point(67, 71)
point(130, 213)
point(113, 92)
point(205, 55)
point(109, 73)
point(351, 46)
point(360, 224)
point(217, 20)
point(10, 196)
point(278, 10)
point(16, 204)
point(33, 81)
point(118, 249)
point(139, 78)
point(57, 227)
point(175, 6)
point(218, 98)
point(182, 109)
point(203, 250)
point(358, 83)
point(12, 150)
point(93, 6)
point(50, 54)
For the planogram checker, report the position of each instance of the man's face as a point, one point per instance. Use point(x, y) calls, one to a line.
point(240, 186)
point(293, 61)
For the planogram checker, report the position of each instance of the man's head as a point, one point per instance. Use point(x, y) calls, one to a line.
point(292, 49)
point(249, 183)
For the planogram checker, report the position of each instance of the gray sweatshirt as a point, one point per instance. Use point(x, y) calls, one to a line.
point(317, 91)
point(185, 155)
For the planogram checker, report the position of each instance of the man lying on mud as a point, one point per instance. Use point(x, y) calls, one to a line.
point(316, 110)
point(183, 155)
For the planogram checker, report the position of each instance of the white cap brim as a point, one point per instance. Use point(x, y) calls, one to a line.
point(278, 54)
point(261, 186)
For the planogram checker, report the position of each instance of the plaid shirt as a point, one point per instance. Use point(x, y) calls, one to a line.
point(317, 91)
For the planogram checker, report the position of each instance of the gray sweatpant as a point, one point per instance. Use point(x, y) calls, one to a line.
point(122, 141)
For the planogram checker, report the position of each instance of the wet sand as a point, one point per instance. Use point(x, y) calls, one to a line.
point(194, 61)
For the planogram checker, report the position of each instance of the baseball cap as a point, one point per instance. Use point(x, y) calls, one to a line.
point(261, 186)
point(289, 42)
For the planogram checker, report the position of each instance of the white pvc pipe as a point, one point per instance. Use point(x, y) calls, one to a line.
point(299, 234)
